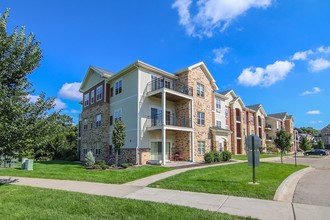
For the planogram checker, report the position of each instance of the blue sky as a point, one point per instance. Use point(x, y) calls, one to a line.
point(272, 52)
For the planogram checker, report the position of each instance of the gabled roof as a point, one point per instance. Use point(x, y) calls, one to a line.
point(257, 107)
point(205, 70)
point(239, 100)
point(281, 115)
point(221, 96)
point(226, 92)
point(92, 69)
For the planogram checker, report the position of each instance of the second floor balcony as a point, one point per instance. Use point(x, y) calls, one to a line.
point(268, 127)
point(154, 122)
point(176, 89)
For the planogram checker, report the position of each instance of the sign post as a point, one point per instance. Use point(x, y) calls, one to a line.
point(253, 144)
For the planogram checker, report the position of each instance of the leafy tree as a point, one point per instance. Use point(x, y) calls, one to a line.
point(119, 136)
point(320, 144)
point(283, 141)
point(305, 144)
point(308, 130)
point(90, 159)
point(25, 126)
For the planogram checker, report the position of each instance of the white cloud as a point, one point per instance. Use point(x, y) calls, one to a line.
point(59, 104)
point(318, 64)
point(323, 49)
point(265, 76)
point(315, 90)
point(213, 15)
point(302, 55)
point(70, 91)
point(33, 98)
point(219, 54)
point(316, 122)
point(313, 112)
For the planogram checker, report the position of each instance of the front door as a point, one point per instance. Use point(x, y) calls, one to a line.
point(156, 150)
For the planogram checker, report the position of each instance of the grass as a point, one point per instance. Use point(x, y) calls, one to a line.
point(232, 180)
point(64, 170)
point(244, 156)
point(22, 202)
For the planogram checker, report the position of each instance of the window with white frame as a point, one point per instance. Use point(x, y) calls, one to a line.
point(226, 112)
point(118, 87)
point(99, 92)
point(200, 118)
point(98, 120)
point(217, 104)
point(92, 96)
point(84, 146)
point(200, 90)
point(85, 124)
point(86, 99)
point(117, 114)
point(201, 147)
point(98, 148)
point(218, 124)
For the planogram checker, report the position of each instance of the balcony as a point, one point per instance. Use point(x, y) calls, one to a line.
point(268, 127)
point(238, 135)
point(175, 89)
point(154, 122)
point(269, 139)
point(238, 118)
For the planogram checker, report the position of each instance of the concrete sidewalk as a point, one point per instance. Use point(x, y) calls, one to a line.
point(262, 209)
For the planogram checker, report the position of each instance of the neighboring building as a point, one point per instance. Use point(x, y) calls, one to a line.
point(274, 123)
point(167, 116)
point(325, 135)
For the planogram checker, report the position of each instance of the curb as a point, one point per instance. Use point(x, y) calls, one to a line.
point(285, 191)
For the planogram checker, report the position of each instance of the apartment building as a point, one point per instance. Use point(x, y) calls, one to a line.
point(325, 135)
point(168, 116)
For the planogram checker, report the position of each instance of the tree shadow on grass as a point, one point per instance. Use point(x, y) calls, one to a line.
point(7, 181)
point(59, 162)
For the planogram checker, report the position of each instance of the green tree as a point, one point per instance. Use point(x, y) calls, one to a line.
point(305, 144)
point(119, 136)
point(320, 144)
point(25, 126)
point(283, 141)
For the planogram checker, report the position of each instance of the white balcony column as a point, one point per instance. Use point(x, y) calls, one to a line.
point(163, 126)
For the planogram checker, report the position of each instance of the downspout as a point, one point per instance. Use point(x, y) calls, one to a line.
point(138, 119)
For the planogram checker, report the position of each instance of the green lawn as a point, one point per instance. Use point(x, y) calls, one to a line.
point(231, 180)
point(64, 170)
point(22, 202)
point(244, 156)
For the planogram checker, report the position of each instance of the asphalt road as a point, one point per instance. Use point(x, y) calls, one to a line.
point(314, 187)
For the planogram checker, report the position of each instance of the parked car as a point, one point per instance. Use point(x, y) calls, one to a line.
point(316, 152)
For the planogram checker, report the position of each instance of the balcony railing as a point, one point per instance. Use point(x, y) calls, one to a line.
point(171, 119)
point(175, 85)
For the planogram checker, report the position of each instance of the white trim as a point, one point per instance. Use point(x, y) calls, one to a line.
point(122, 86)
point(97, 88)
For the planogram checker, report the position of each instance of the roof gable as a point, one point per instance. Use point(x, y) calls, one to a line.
point(94, 75)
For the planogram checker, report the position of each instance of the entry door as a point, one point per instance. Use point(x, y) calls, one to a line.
point(156, 117)
point(156, 150)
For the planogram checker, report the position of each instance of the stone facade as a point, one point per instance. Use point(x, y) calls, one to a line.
point(92, 135)
point(201, 104)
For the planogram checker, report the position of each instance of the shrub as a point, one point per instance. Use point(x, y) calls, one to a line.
point(208, 158)
point(216, 156)
point(89, 159)
point(102, 164)
point(225, 155)
point(96, 166)
point(125, 165)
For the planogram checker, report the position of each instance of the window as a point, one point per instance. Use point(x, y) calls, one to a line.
point(118, 87)
point(84, 146)
point(200, 118)
point(111, 120)
point(218, 104)
point(226, 112)
point(98, 120)
point(98, 148)
point(201, 147)
point(91, 124)
point(200, 90)
point(86, 99)
point(85, 124)
point(99, 92)
point(92, 96)
point(251, 118)
point(117, 114)
point(218, 124)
